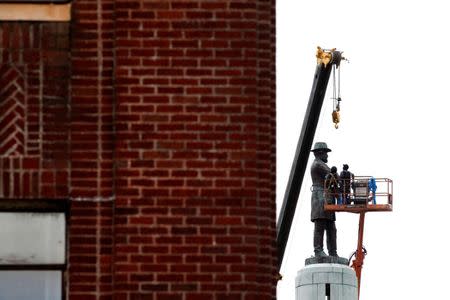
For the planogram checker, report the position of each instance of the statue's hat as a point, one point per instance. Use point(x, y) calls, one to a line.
point(320, 146)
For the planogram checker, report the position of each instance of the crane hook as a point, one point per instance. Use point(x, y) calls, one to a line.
point(336, 118)
point(335, 115)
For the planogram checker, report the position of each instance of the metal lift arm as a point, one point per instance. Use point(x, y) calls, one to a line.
point(325, 60)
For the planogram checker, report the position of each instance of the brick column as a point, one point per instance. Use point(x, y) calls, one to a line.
point(91, 234)
point(195, 150)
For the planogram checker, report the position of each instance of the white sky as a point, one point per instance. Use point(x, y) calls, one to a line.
point(394, 115)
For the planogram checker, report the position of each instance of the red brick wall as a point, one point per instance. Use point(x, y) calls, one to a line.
point(172, 149)
point(195, 168)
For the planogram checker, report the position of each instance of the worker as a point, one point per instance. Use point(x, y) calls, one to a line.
point(347, 178)
point(373, 189)
point(323, 220)
point(333, 186)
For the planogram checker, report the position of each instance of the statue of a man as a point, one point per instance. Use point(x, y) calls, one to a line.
point(323, 220)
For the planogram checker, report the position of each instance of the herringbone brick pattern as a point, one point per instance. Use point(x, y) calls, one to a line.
point(12, 111)
point(34, 110)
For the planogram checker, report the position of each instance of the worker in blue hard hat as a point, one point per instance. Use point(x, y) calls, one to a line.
point(323, 220)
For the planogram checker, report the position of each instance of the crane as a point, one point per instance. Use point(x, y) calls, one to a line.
point(327, 60)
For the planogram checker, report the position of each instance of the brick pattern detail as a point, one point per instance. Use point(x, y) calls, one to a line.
point(34, 60)
point(12, 111)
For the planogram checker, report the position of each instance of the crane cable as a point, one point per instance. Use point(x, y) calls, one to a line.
point(336, 100)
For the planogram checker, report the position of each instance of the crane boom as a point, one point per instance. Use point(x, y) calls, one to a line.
point(325, 60)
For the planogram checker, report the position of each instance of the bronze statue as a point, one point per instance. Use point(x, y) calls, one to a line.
point(323, 220)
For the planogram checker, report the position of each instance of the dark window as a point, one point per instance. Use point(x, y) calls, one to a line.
point(327, 292)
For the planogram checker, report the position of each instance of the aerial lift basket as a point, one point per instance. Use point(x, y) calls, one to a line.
point(360, 194)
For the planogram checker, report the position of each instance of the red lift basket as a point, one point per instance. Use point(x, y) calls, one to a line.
point(360, 196)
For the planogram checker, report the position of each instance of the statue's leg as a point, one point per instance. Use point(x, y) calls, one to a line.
point(331, 238)
point(319, 228)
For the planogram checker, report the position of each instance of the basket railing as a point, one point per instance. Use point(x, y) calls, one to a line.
point(359, 190)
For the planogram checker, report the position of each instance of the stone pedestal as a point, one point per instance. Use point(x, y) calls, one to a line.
point(326, 260)
point(322, 281)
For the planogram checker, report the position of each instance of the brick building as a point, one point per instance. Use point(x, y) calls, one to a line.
point(150, 127)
